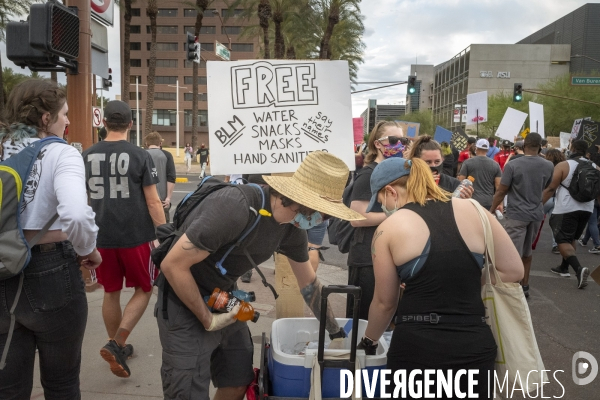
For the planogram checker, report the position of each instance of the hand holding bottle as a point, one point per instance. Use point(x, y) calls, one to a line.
point(220, 321)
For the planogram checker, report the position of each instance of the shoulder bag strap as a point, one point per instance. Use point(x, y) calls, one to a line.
point(490, 254)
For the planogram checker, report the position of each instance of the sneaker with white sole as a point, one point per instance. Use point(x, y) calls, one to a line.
point(595, 250)
point(580, 241)
point(582, 276)
point(562, 272)
point(555, 250)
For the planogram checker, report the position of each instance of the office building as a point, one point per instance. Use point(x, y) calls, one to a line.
point(421, 100)
point(174, 20)
point(380, 112)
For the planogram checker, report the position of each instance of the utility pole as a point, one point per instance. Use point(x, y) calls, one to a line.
point(177, 87)
point(79, 87)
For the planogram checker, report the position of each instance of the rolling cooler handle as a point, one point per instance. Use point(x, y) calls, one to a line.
point(350, 364)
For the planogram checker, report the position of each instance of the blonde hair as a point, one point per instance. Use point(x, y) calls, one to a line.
point(377, 133)
point(419, 183)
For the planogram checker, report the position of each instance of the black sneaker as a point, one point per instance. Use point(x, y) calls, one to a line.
point(562, 272)
point(595, 250)
point(246, 277)
point(526, 290)
point(128, 351)
point(582, 276)
point(555, 250)
point(115, 355)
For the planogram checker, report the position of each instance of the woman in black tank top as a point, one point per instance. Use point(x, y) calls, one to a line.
point(433, 245)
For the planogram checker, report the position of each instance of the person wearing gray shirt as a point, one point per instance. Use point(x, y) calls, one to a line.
point(524, 180)
point(486, 172)
point(165, 169)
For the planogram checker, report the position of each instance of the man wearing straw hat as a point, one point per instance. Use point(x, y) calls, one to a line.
point(191, 336)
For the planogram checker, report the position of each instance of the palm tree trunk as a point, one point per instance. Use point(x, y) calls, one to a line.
point(290, 53)
point(151, 12)
point(126, 66)
point(279, 40)
point(1, 90)
point(201, 5)
point(264, 15)
point(332, 20)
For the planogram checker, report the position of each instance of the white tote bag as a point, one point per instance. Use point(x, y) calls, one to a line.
point(507, 314)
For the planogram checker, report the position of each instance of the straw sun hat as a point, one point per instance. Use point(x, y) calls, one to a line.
point(318, 184)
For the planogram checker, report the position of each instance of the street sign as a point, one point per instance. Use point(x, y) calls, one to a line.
point(103, 11)
point(585, 80)
point(96, 117)
point(222, 51)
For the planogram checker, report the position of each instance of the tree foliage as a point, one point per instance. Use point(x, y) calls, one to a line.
point(424, 118)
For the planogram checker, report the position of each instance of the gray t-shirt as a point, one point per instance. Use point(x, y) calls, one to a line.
point(165, 168)
point(485, 171)
point(219, 221)
point(526, 177)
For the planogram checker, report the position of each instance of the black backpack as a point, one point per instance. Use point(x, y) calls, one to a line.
point(341, 232)
point(169, 234)
point(585, 184)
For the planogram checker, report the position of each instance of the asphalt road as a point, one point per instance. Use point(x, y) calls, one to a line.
point(566, 320)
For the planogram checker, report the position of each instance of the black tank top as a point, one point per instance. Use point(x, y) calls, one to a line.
point(449, 283)
point(450, 280)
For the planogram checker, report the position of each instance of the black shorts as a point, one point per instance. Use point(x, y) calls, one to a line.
point(568, 227)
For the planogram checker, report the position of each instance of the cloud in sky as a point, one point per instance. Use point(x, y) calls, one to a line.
point(431, 31)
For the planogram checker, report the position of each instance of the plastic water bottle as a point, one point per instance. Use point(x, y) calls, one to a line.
point(464, 184)
point(499, 215)
point(222, 302)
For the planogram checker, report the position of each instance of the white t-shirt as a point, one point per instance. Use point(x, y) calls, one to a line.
point(564, 203)
point(56, 184)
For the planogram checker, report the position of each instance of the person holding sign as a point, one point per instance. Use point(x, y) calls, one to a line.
point(198, 345)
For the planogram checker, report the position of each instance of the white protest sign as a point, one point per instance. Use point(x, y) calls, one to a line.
point(477, 107)
point(265, 116)
point(565, 137)
point(536, 118)
point(511, 124)
point(575, 129)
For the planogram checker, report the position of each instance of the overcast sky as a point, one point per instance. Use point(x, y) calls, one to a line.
point(432, 31)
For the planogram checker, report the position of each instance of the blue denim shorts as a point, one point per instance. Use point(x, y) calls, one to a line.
point(317, 233)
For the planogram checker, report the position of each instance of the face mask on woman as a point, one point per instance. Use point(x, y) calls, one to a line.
point(303, 222)
point(392, 150)
point(437, 169)
point(387, 212)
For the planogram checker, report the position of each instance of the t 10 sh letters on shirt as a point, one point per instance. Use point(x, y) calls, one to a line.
point(116, 173)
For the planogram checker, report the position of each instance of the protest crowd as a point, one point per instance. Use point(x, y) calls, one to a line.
point(417, 212)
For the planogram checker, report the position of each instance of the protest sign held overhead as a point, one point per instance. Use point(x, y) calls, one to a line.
point(410, 129)
point(459, 139)
point(536, 118)
point(267, 116)
point(511, 124)
point(590, 132)
point(477, 108)
point(442, 135)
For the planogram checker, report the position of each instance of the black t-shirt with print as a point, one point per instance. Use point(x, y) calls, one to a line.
point(219, 221)
point(360, 246)
point(203, 155)
point(116, 173)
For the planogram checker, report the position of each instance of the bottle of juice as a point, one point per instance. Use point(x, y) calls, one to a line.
point(223, 302)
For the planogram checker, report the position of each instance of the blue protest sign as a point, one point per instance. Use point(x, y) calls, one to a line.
point(442, 135)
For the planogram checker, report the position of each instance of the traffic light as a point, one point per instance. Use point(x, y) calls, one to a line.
point(54, 29)
point(192, 48)
point(51, 31)
point(518, 92)
point(107, 83)
point(412, 80)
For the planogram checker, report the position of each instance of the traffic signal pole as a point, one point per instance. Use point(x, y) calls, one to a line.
point(79, 87)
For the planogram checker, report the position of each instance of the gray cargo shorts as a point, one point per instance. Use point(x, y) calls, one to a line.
point(192, 356)
point(522, 234)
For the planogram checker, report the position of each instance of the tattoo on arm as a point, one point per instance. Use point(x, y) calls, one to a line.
point(377, 235)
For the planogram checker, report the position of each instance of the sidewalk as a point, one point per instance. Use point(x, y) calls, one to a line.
point(98, 383)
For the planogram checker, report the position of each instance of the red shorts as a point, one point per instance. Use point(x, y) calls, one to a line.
point(133, 263)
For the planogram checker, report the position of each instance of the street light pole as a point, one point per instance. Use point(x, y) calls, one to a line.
point(177, 87)
point(137, 111)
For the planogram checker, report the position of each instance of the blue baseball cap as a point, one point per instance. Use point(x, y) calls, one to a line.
point(386, 172)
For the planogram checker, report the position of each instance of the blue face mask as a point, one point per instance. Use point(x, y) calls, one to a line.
point(303, 222)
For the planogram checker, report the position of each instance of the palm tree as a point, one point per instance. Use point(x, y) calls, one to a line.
point(9, 9)
point(126, 63)
point(333, 12)
point(201, 6)
point(264, 17)
point(152, 13)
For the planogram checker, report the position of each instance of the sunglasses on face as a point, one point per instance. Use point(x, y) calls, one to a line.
point(391, 139)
